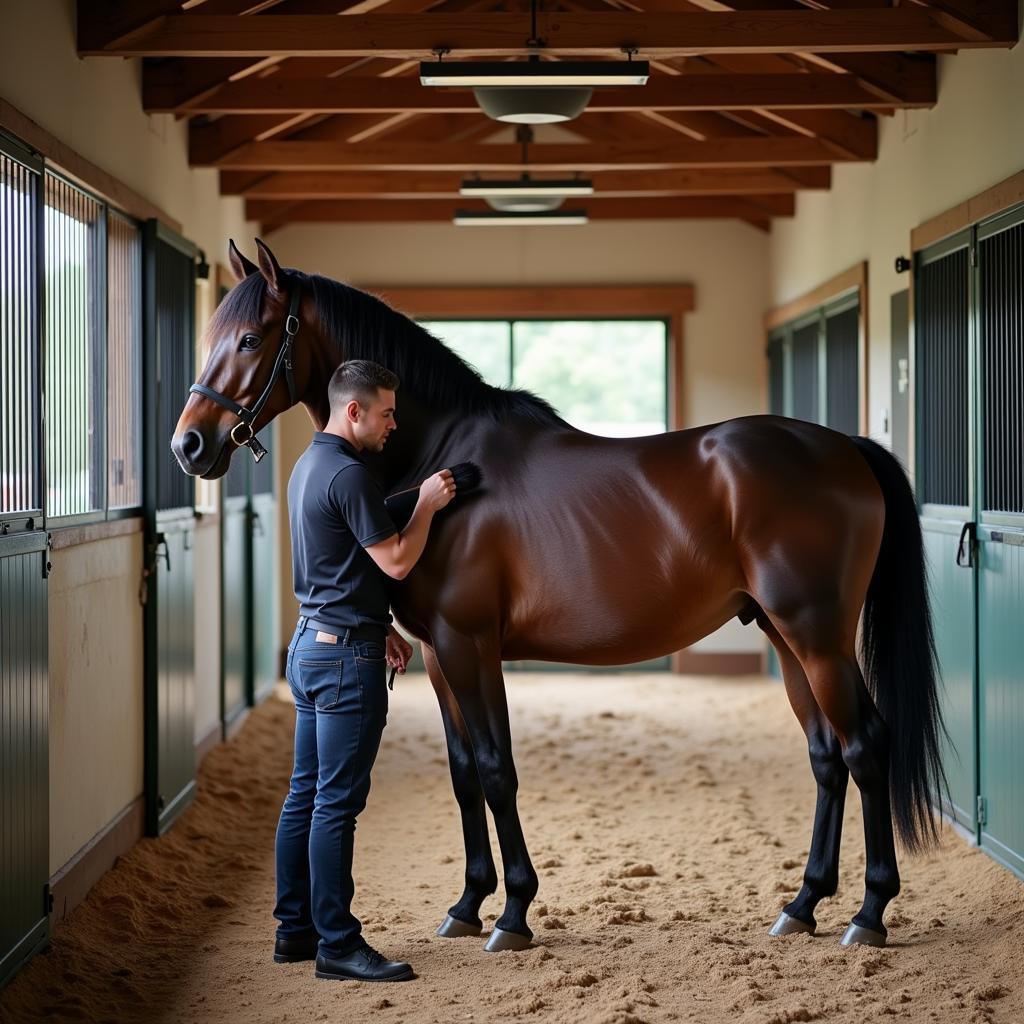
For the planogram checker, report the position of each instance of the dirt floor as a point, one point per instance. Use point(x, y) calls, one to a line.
point(668, 819)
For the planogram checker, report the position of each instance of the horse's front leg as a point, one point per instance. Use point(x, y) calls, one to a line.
point(481, 877)
point(472, 668)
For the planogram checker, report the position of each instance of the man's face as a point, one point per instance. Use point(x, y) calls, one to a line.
point(375, 421)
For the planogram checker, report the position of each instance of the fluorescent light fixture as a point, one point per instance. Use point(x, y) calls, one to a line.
point(524, 204)
point(579, 73)
point(466, 218)
point(526, 186)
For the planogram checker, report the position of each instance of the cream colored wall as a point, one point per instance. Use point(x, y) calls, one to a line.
point(725, 261)
point(94, 105)
point(96, 658)
point(96, 691)
point(929, 161)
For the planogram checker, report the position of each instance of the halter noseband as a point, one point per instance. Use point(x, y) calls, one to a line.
point(284, 359)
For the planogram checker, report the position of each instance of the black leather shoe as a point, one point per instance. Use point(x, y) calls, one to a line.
point(296, 950)
point(363, 964)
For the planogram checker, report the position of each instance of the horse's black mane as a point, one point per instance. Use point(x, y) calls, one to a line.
point(366, 327)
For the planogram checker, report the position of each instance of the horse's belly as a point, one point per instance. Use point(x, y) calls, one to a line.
point(616, 618)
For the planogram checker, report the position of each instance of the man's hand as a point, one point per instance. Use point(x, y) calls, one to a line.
point(437, 490)
point(398, 651)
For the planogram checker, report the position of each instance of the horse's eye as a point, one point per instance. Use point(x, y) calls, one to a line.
point(250, 342)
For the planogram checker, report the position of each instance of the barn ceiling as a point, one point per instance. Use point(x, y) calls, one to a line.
point(312, 109)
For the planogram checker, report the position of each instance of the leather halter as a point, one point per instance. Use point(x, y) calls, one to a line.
point(283, 360)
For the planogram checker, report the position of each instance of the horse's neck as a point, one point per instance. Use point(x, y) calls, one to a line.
point(421, 444)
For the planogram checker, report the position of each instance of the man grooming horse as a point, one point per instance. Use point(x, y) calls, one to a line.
point(344, 544)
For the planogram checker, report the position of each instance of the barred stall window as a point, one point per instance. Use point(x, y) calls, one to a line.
point(19, 331)
point(124, 359)
point(75, 314)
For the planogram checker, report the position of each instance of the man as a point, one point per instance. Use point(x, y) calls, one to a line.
point(343, 545)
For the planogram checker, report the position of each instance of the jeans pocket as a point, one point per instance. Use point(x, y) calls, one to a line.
point(321, 681)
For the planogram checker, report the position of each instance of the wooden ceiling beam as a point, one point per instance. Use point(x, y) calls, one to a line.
point(333, 211)
point(441, 184)
point(363, 94)
point(500, 34)
point(719, 152)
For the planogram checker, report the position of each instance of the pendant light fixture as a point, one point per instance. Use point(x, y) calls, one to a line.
point(534, 91)
point(525, 194)
point(467, 218)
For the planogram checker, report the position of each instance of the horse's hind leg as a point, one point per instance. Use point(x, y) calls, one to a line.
point(474, 676)
point(481, 877)
point(821, 875)
point(826, 654)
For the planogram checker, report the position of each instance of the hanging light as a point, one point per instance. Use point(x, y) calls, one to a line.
point(467, 218)
point(534, 91)
point(525, 186)
point(525, 193)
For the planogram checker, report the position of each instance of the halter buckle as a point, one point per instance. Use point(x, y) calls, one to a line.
point(291, 325)
point(237, 426)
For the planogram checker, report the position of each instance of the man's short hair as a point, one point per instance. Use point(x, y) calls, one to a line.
point(359, 379)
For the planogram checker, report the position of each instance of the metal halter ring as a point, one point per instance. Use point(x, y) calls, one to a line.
point(248, 426)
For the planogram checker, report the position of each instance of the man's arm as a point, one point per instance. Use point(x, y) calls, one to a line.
point(399, 553)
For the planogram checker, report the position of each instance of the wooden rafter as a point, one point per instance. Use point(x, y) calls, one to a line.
point(498, 34)
point(314, 116)
point(361, 94)
point(327, 211)
point(721, 152)
point(445, 184)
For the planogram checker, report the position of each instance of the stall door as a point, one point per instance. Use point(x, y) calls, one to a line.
point(235, 603)
point(944, 464)
point(1000, 561)
point(264, 598)
point(24, 710)
point(170, 529)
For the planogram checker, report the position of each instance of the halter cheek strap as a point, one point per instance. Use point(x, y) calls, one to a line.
point(282, 362)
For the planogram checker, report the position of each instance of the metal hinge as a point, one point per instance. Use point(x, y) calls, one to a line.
point(973, 248)
point(982, 811)
point(47, 899)
point(47, 564)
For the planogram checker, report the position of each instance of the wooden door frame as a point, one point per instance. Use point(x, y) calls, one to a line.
point(614, 302)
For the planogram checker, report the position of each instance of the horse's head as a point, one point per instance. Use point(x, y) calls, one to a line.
point(255, 370)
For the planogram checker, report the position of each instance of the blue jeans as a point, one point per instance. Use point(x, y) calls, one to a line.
point(341, 705)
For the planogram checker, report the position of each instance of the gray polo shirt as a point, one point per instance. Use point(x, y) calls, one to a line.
point(336, 509)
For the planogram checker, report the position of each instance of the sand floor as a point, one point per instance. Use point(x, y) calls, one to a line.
point(668, 819)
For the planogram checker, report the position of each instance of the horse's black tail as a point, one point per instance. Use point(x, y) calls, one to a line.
point(898, 655)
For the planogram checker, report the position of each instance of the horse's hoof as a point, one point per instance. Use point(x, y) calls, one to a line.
point(858, 936)
point(786, 925)
point(501, 939)
point(453, 928)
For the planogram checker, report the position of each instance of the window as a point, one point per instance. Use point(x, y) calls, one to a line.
point(92, 288)
point(19, 334)
point(606, 377)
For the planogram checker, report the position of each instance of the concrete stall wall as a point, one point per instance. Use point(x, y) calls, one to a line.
point(96, 663)
point(723, 366)
point(928, 162)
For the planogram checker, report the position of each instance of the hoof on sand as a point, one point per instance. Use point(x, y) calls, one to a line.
point(501, 940)
point(453, 928)
point(858, 936)
point(786, 925)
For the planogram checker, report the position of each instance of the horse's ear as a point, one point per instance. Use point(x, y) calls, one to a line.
point(241, 266)
point(269, 267)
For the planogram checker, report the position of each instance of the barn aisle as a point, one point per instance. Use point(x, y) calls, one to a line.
point(668, 819)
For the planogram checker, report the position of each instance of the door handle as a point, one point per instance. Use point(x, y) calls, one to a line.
point(966, 546)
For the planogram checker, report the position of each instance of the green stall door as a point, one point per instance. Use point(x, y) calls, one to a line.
point(234, 606)
point(265, 601)
point(1001, 669)
point(952, 602)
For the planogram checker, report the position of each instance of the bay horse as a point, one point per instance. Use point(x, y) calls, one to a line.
point(596, 550)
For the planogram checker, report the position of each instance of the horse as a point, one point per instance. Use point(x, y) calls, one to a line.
point(586, 549)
